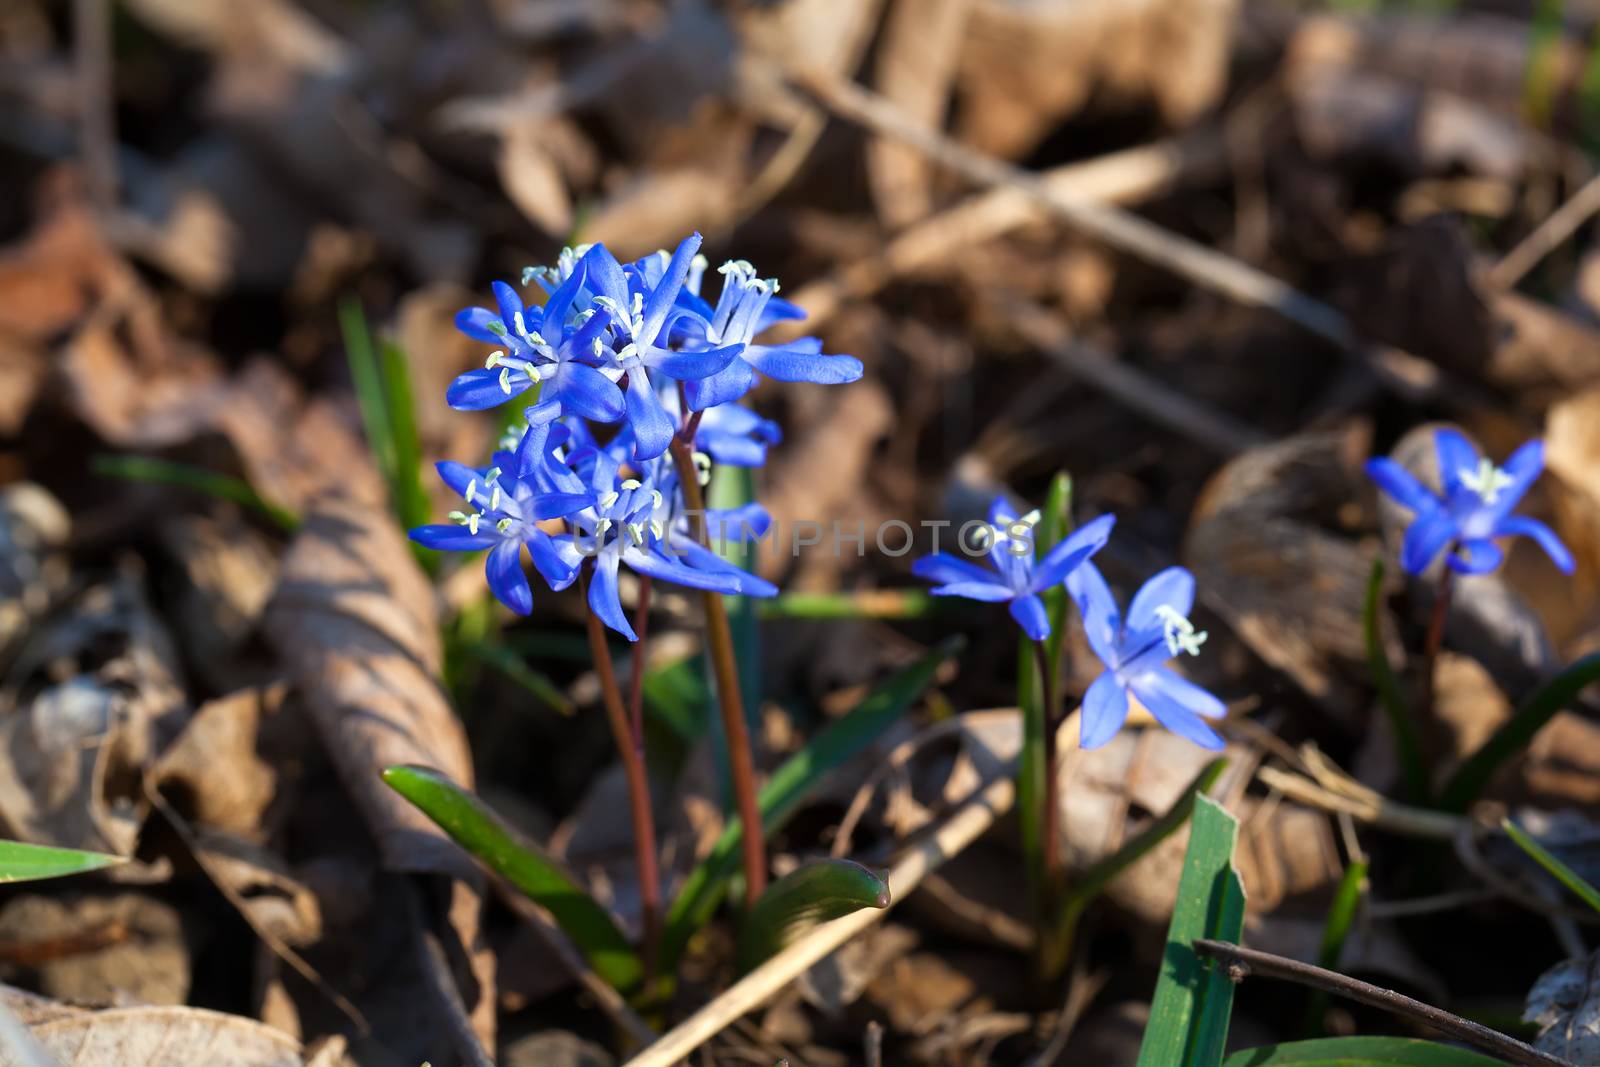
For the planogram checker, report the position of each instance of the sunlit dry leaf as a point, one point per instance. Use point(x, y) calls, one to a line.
point(1565, 1004)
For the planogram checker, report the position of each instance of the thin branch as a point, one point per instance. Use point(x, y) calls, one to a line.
point(1406, 374)
point(1546, 237)
point(1381, 812)
point(769, 979)
point(1241, 963)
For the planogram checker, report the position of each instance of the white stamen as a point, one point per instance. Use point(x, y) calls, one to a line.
point(607, 500)
point(472, 487)
point(631, 483)
point(504, 525)
point(494, 499)
point(494, 360)
point(636, 532)
point(702, 468)
point(1179, 632)
point(1487, 481)
point(472, 523)
point(505, 380)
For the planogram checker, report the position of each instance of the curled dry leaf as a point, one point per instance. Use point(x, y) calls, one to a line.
point(1262, 550)
point(73, 751)
point(226, 571)
point(1565, 1004)
point(34, 572)
point(354, 621)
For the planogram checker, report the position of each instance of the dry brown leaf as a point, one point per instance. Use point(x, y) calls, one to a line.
point(225, 782)
point(354, 619)
point(1565, 1004)
point(159, 1036)
point(226, 571)
point(34, 572)
point(1572, 457)
point(917, 57)
point(97, 950)
point(533, 181)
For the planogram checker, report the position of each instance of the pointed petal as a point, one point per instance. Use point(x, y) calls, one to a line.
point(509, 303)
point(475, 323)
point(1178, 688)
point(692, 366)
point(1456, 455)
point(1031, 616)
point(548, 560)
point(944, 568)
point(1427, 536)
point(1173, 587)
point(1172, 714)
point(1542, 535)
point(1400, 484)
point(478, 390)
point(586, 391)
point(645, 562)
point(448, 537)
point(1072, 550)
point(560, 304)
point(796, 363)
point(1476, 556)
point(652, 429)
point(604, 276)
point(604, 599)
point(1098, 608)
point(991, 592)
point(1105, 709)
point(457, 475)
point(1523, 467)
point(665, 294)
point(723, 387)
point(506, 580)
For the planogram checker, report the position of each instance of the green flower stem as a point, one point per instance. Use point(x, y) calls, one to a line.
point(1050, 815)
point(725, 665)
point(630, 746)
point(1433, 642)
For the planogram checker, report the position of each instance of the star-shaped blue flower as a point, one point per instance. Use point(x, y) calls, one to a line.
point(1017, 579)
point(1134, 651)
point(1474, 507)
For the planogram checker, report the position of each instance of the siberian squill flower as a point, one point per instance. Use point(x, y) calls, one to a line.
point(1016, 579)
point(729, 433)
point(1135, 650)
point(1473, 508)
point(501, 516)
point(555, 345)
point(745, 307)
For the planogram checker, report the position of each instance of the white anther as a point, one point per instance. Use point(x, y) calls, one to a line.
point(659, 530)
point(519, 324)
point(537, 338)
point(636, 532)
point(472, 487)
point(505, 380)
point(631, 483)
point(607, 500)
point(1487, 481)
point(655, 499)
point(472, 523)
point(702, 467)
point(529, 274)
point(491, 476)
point(498, 328)
point(494, 360)
point(600, 531)
point(494, 499)
point(458, 517)
point(504, 525)
point(1179, 632)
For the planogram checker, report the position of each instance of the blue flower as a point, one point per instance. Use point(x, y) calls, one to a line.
point(1134, 650)
point(1016, 578)
point(745, 307)
point(504, 510)
point(729, 433)
point(553, 347)
point(1474, 507)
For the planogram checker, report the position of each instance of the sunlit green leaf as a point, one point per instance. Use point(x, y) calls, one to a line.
point(1359, 1052)
point(22, 862)
point(815, 893)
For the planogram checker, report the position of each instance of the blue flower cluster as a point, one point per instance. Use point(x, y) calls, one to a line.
point(1133, 650)
point(636, 344)
point(1473, 507)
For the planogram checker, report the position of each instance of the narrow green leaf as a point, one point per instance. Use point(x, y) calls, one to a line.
point(1055, 522)
point(1512, 737)
point(788, 789)
point(679, 694)
point(1550, 862)
point(368, 382)
point(410, 498)
point(817, 892)
point(200, 479)
point(517, 670)
point(1335, 931)
point(1390, 695)
point(862, 604)
point(475, 827)
point(1189, 1012)
point(22, 862)
point(1359, 1052)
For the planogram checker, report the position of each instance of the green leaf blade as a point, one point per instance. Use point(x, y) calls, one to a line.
point(1359, 1052)
point(475, 827)
point(1390, 696)
point(1189, 1012)
point(1553, 864)
point(815, 893)
point(22, 862)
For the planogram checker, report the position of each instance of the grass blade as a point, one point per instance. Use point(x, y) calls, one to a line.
point(815, 893)
point(1390, 695)
point(410, 498)
point(862, 604)
point(1335, 932)
point(368, 382)
point(517, 670)
point(1359, 1052)
point(475, 827)
point(1550, 862)
point(788, 788)
point(1189, 1013)
point(1054, 523)
point(200, 479)
point(22, 862)
point(1469, 781)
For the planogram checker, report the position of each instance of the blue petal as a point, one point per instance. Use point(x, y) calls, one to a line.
point(990, 592)
point(560, 505)
point(1104, 710)
point(652, 429)
point(655, 566)
point(1101, 622)
point(665, 294)
point(703, 559)
point(1430, 531)
point(1029, 612)
point(1071, 551)
point(605, 276)
point(1173, 587)
point(548, 561)
point(944, 567)
point(509, 302)
point(604, 599)
point(798, 362)
point(1523, 468)
point(1176, 687)
point(559, 306)
point(475, 323)
point(589, 393)
point(1476, 556)
point(731, 450)
point(736, 526)
point(510, 585)
point(692, 366)
point(1400, 484)
point(448, 537)
point(1542, 535)
point(478, 390)
point(778, 310)
point(457, 475)
point(1172, 714)
point(723, 387)
point(1456, 456)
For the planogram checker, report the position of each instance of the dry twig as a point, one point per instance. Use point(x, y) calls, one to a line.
point(1547, 236)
